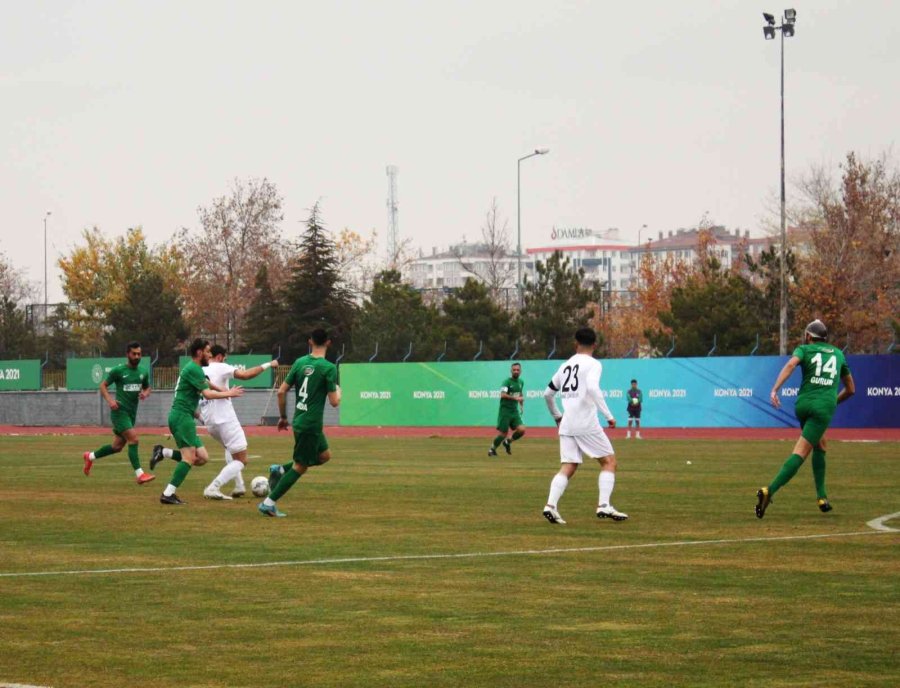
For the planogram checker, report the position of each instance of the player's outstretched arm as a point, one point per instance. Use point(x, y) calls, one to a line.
point(250, 373)
point(849, 388)
point(227, 394)
point(785, 373)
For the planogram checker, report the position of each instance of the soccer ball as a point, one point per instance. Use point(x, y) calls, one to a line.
point(259, 486)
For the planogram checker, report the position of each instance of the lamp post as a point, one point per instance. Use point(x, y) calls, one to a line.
point(46, 215)
point(787, 31)
point(639, 261)
point(537, 151)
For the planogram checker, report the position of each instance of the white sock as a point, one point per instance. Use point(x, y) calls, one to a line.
point(268, 502)
point(227, 474)
point(139, 472)
point(606, 481)
point(557, 486)
point(628, 434)
point(167, 453)
point(228, 457)
point(239, 480)
point(92, 457)
point(170, 490)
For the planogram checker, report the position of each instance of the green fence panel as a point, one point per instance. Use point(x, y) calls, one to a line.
point(88, 373)
point(242, 361)
point(440, 394)
point(20, 375)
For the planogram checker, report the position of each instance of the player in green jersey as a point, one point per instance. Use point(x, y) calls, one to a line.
point(315, 379)
point(512, 403)
point(132, 387)
point(822, 365)
point(191, 386)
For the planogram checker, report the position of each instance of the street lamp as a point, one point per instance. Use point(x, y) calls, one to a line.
point(787, 31)
point(641, 229)
point(537, 151)
point(46, 215)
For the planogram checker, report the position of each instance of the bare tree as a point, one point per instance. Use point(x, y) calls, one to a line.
point(356, 262)
point(498, 267)
point(239, 233)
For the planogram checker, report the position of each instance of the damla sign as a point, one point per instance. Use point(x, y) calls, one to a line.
point(565, 233)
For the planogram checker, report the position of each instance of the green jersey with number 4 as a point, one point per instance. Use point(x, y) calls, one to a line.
point(823, 366)
point(312, 378)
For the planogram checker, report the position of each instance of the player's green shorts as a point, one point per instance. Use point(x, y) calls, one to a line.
point(307, 447)
point(507, 419)
point(184, 430)
point(814, 419)
point(122, 421)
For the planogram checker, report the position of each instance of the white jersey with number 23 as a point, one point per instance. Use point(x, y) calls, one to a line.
point(578, 383)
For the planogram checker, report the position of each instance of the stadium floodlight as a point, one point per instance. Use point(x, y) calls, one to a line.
point(787, 30)
point(537, 151)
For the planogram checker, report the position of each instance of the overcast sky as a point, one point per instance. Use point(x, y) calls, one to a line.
point(118, 114)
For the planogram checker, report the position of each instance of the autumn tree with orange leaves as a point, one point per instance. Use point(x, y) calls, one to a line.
point(849, 265)
point(239, 233)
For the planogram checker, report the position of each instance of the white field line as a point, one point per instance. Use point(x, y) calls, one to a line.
point(878, 523)
point(20, 685)
point(428, 557)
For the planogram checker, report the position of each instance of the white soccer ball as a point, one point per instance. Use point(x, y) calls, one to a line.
point(259, 486)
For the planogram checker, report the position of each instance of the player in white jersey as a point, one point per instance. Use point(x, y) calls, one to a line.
point(578, 383)
point(222, 423)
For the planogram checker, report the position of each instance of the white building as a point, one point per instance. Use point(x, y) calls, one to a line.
point(604, 257)
point(450, 269)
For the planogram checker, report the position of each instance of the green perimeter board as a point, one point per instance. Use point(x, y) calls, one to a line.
point(463, 393)
point(20, 375)
point(243, 361)
point(88, 373)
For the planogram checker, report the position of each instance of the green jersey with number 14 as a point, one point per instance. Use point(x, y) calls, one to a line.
point(823, 366)
point(312, 378)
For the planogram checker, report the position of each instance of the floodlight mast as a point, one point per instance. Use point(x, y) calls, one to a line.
point(787, 30)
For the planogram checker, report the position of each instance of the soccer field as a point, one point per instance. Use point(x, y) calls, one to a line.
point(414, 562)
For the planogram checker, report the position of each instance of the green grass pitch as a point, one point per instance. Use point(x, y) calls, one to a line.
point(649, 602)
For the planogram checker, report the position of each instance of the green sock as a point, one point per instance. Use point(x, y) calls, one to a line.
point(180, 473)
point(498, 440)
point(176, 455)
point(133, 456)
point(788, 471)
point(517, 435)
point(105, 450)
point(818, 468)
point(288, 466)
point(286, 483)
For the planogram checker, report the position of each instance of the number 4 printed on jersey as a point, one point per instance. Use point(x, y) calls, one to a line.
point(302, 395)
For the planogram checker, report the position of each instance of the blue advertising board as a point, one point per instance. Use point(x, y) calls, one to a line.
point(722, 392)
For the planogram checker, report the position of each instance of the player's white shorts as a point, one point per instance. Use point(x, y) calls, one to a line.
point(595, 446)
point(230, 434)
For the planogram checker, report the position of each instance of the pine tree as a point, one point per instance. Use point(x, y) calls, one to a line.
point(314, 295)
point(264, 326)
point(557, 303)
